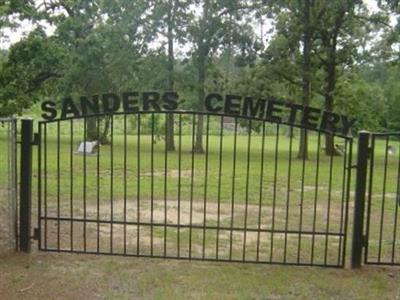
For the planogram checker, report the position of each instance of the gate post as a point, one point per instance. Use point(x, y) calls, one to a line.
point(25, 185)
point(359, 201)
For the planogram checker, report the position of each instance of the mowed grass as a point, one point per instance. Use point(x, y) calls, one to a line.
point(221, 175)
point(66, 276)
point(147, 168)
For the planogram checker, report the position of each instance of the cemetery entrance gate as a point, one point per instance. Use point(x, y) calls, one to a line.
point(233, 189)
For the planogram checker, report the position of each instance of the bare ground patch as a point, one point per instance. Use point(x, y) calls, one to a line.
point(172, 228)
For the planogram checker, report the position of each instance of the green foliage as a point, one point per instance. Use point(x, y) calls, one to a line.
point(200, 46)
point(382, 79)
point(361, 100)
point(28, 71)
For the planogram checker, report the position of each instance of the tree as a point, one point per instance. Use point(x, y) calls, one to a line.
point(291, 52)
point(388, 48)
point(30, 68)
point(383, 76)
point(96, 48)
point(308, 38)
point(172, 15)
point(297, 22)
point(345, 29)
point(361, 98)
point(317, 39)
point(210, 32)
point(338, 13)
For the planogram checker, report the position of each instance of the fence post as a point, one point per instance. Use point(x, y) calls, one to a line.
point(25, 185)
point(359, 201)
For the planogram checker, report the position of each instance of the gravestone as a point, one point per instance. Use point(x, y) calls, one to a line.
point(87, 147)
point(391, 150)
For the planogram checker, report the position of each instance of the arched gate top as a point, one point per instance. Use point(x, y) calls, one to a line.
point(233, 106)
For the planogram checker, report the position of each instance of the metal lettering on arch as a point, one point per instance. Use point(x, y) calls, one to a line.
point(246, 197)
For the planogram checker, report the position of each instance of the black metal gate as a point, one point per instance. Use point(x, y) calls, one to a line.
point(382, 238)
point(246, 198)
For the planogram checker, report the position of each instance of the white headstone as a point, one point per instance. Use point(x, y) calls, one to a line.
point(391, 150)
point(87, 147)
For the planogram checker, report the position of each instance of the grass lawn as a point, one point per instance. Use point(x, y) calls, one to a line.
point(65, 276)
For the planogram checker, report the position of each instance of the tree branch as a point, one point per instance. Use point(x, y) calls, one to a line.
point(230, 10)
point(376, 21)
point(41, 78)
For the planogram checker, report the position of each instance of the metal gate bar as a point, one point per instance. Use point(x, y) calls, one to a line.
point(247, 198)
point(382, 238)
point(9, 188)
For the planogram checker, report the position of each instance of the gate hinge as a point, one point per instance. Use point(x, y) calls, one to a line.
point(36, 234)
point(36, 139)
point(370, 151)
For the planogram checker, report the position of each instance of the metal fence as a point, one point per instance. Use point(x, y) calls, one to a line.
point(383, 201)
point(246, 198)
point(8, 179)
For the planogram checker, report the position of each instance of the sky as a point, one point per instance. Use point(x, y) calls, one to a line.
point(12, 36)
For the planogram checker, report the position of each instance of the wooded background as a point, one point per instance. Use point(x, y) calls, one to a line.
point(339, 55)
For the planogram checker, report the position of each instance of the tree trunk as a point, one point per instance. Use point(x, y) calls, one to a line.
point(169, 139)
point(93, 133)
point(198, 147)
point(328, 105)
point(91, 129)
point(93, 126)
point(291, 133)
point(104, 134)
point(201, 66)
point(307, 41)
